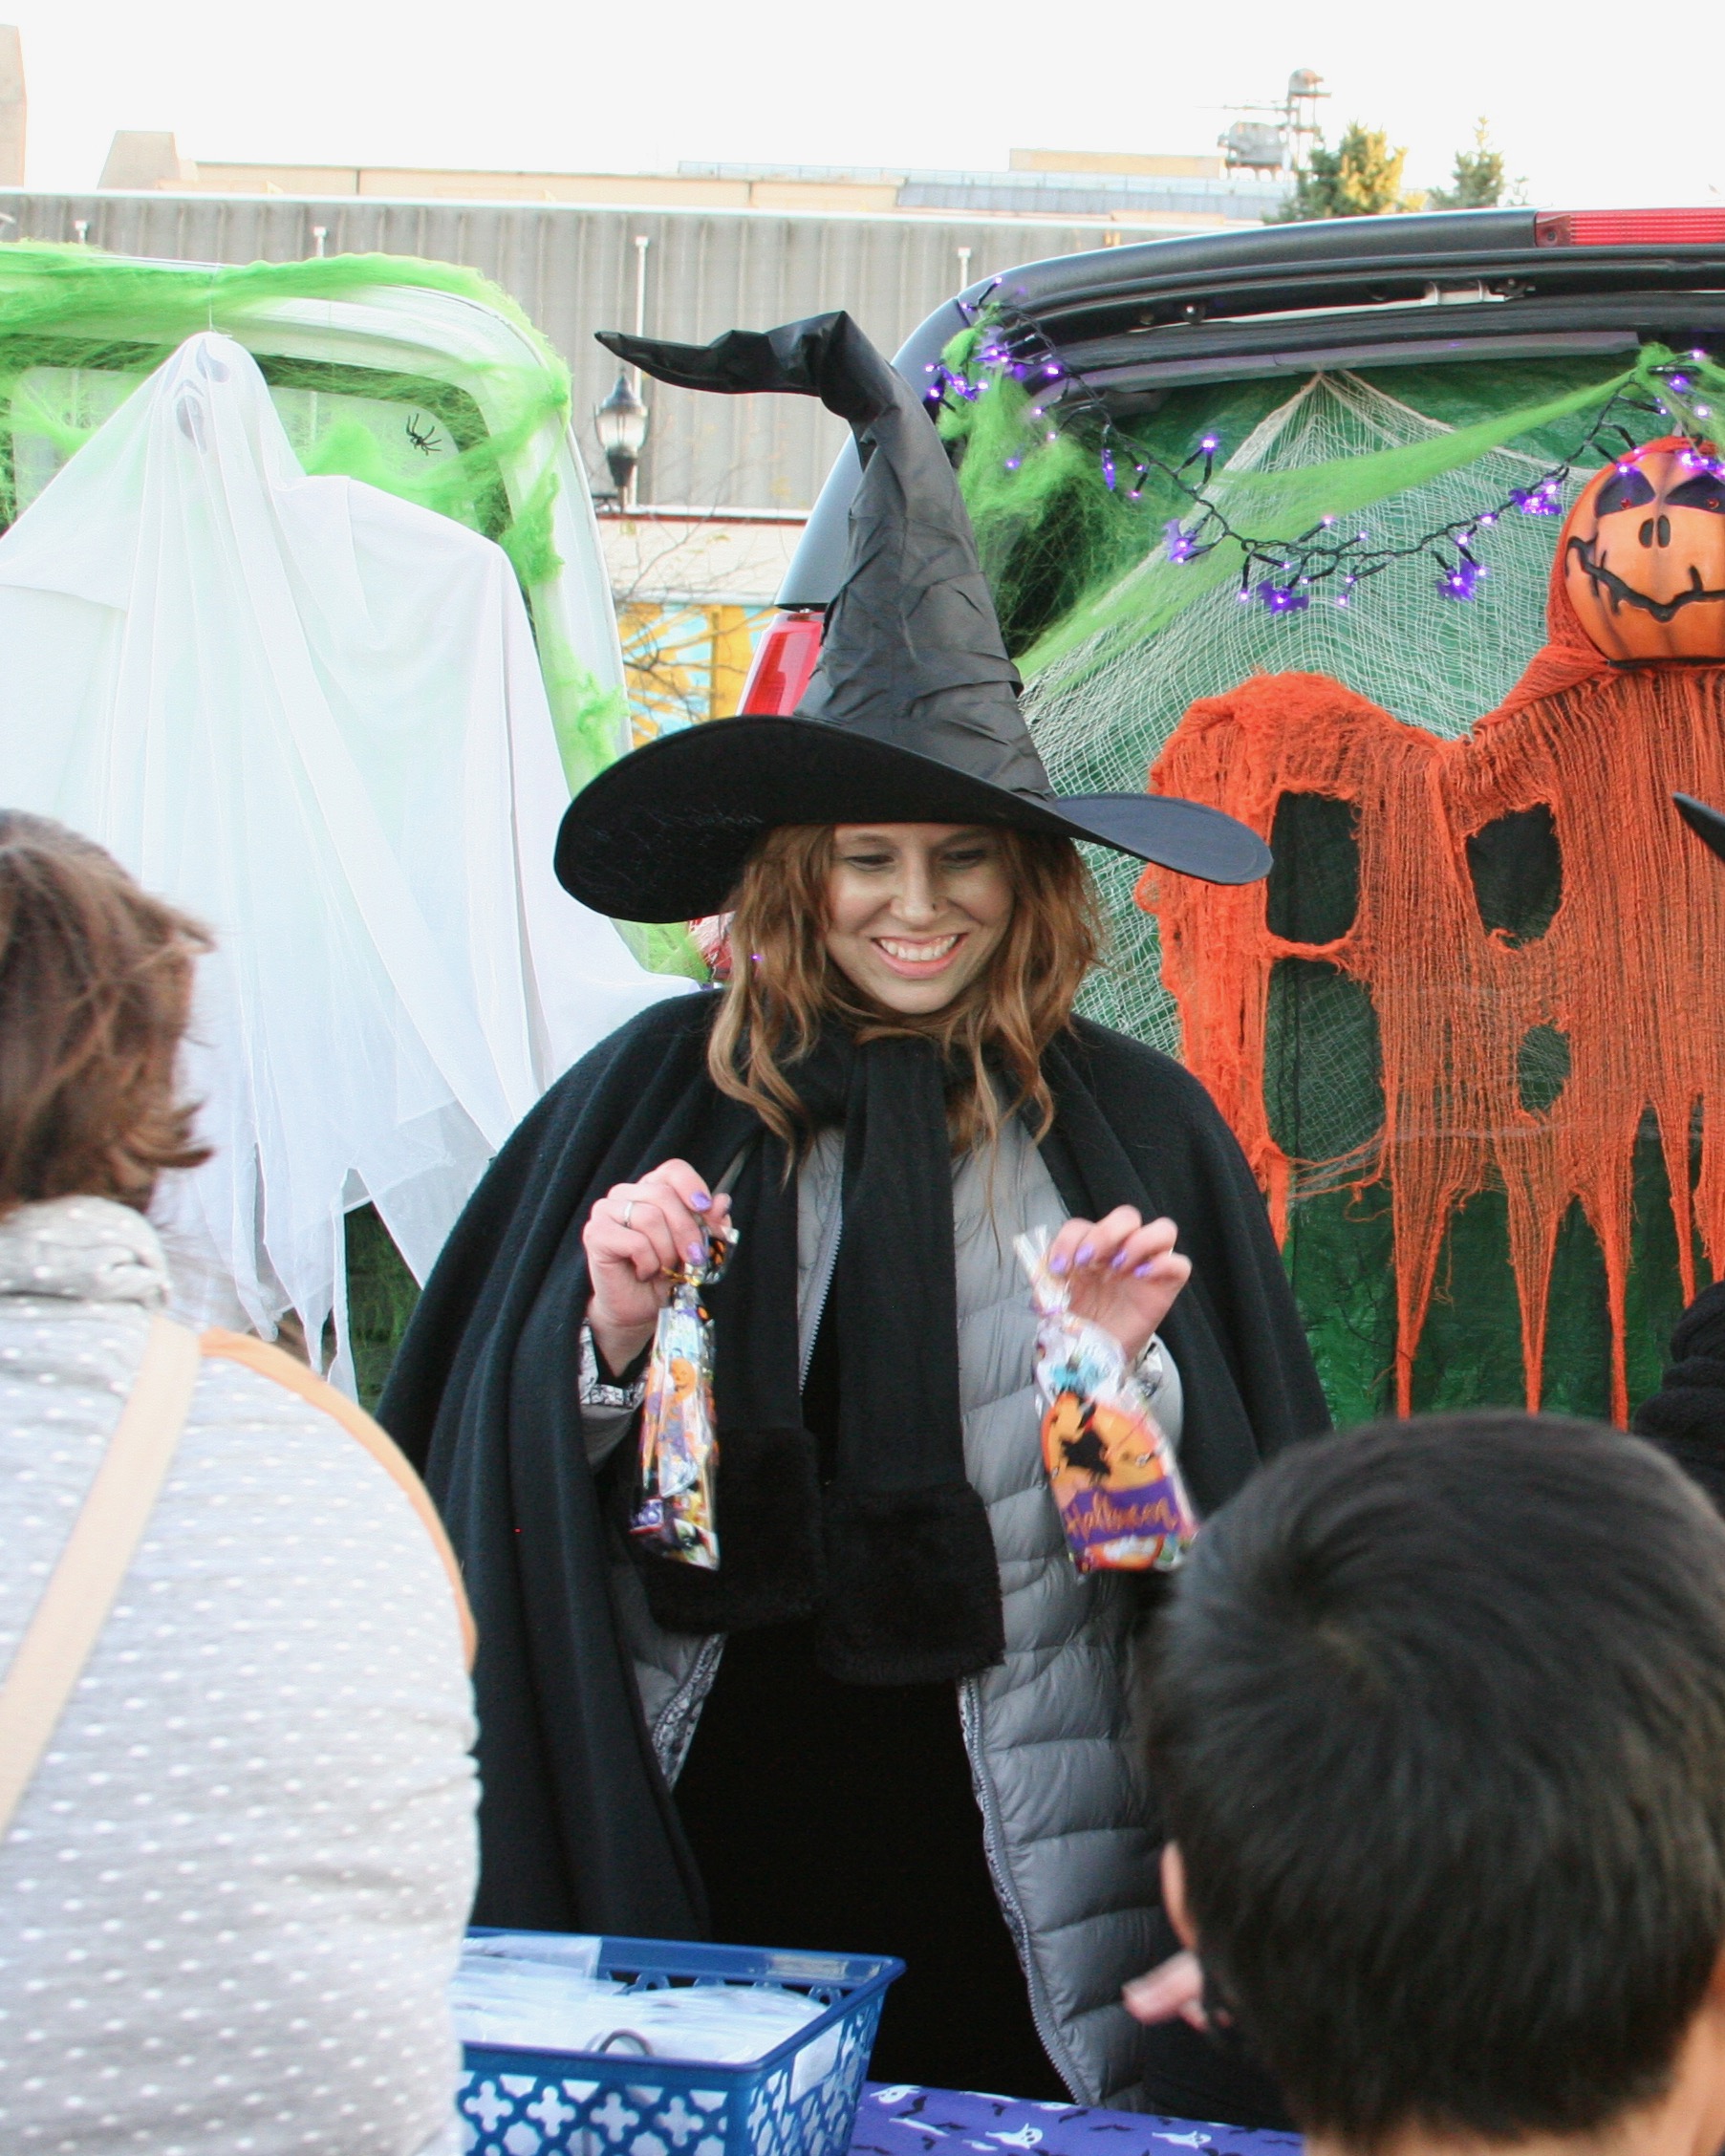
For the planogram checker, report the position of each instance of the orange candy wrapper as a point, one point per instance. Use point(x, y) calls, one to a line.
point(675, 1508)
point(1111, 1467)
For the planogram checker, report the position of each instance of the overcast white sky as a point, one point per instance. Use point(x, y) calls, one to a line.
point(1588, 111)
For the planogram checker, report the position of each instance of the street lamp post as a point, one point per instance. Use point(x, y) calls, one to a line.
point(620, 423)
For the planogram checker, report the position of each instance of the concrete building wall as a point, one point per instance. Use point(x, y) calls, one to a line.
point(1143, 194)
point(573, 271)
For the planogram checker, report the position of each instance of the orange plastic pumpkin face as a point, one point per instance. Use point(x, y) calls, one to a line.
point(1643, 554)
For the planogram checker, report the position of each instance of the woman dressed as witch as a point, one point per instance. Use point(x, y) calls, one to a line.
point(894, 1718)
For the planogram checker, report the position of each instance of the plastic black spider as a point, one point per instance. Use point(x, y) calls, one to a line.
point(422, 432)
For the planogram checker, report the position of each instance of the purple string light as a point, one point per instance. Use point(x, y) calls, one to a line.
point(1317, 555)
point(1460, 579)
point(1284, 598)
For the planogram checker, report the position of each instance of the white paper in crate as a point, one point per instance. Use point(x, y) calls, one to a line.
point(545, 1996)
point(311, 715)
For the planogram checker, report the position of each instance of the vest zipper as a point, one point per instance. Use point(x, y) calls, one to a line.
point(994, 1849)
point(829, 1266)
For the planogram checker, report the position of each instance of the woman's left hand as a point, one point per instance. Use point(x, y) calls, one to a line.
point(1125, 1273)
point(1174, 1990)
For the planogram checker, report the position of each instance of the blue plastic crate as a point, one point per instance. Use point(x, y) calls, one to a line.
point(799, 2100)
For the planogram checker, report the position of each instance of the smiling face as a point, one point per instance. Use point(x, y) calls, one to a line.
point(916, 910)
point(1643, 554)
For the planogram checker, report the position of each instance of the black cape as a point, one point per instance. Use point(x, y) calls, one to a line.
point(579, 1830)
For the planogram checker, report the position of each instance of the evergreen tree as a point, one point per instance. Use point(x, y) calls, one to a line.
point(1479, 177)
point(1361, 177)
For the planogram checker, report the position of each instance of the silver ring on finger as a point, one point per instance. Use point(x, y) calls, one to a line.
point(628, 1209)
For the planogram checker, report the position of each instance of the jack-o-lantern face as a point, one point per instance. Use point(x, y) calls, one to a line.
point(1643, 554)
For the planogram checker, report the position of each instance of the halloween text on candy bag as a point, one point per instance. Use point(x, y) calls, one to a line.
point(1111, 1467)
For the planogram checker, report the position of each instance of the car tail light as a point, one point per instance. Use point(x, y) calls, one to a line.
point(783, 660)
point(1630, 227)
point(711, 937)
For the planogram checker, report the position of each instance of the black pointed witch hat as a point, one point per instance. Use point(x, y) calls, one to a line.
point(912, 715)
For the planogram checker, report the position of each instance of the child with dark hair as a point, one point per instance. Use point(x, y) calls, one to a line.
point(1441, 1728)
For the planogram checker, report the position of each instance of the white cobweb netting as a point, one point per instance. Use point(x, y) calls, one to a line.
point(1101, 713)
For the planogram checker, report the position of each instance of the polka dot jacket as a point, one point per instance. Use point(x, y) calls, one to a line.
point(233, 1896)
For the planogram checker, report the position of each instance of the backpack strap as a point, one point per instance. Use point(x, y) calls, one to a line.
point(282, 1369)
point(81, 1590)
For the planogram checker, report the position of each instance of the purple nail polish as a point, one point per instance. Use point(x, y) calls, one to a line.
point(1060, 1264)
point(1116, 1263)
point(1143, 1272)
point(1085, 1252)
point(701, 1201)
point(697, 1252)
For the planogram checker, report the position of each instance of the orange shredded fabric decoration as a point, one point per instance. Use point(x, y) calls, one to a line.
point(1631, 969)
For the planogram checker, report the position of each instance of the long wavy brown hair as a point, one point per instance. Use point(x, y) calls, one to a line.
point(784, 987)
point(96, 982)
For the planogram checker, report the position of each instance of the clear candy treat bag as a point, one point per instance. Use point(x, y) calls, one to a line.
point(674, 1510)
point(1111, 1467)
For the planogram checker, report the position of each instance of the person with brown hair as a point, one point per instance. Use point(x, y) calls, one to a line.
point(237, 1845)
point(95, 995)
point(894, 1716)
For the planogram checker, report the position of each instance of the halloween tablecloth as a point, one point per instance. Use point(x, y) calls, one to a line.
point(899, 2120)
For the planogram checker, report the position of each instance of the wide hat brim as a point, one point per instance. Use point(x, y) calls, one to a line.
point(1706, 824)
point(663, 833)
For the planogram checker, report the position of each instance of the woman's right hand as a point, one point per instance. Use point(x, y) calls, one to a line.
point(636, 1237)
